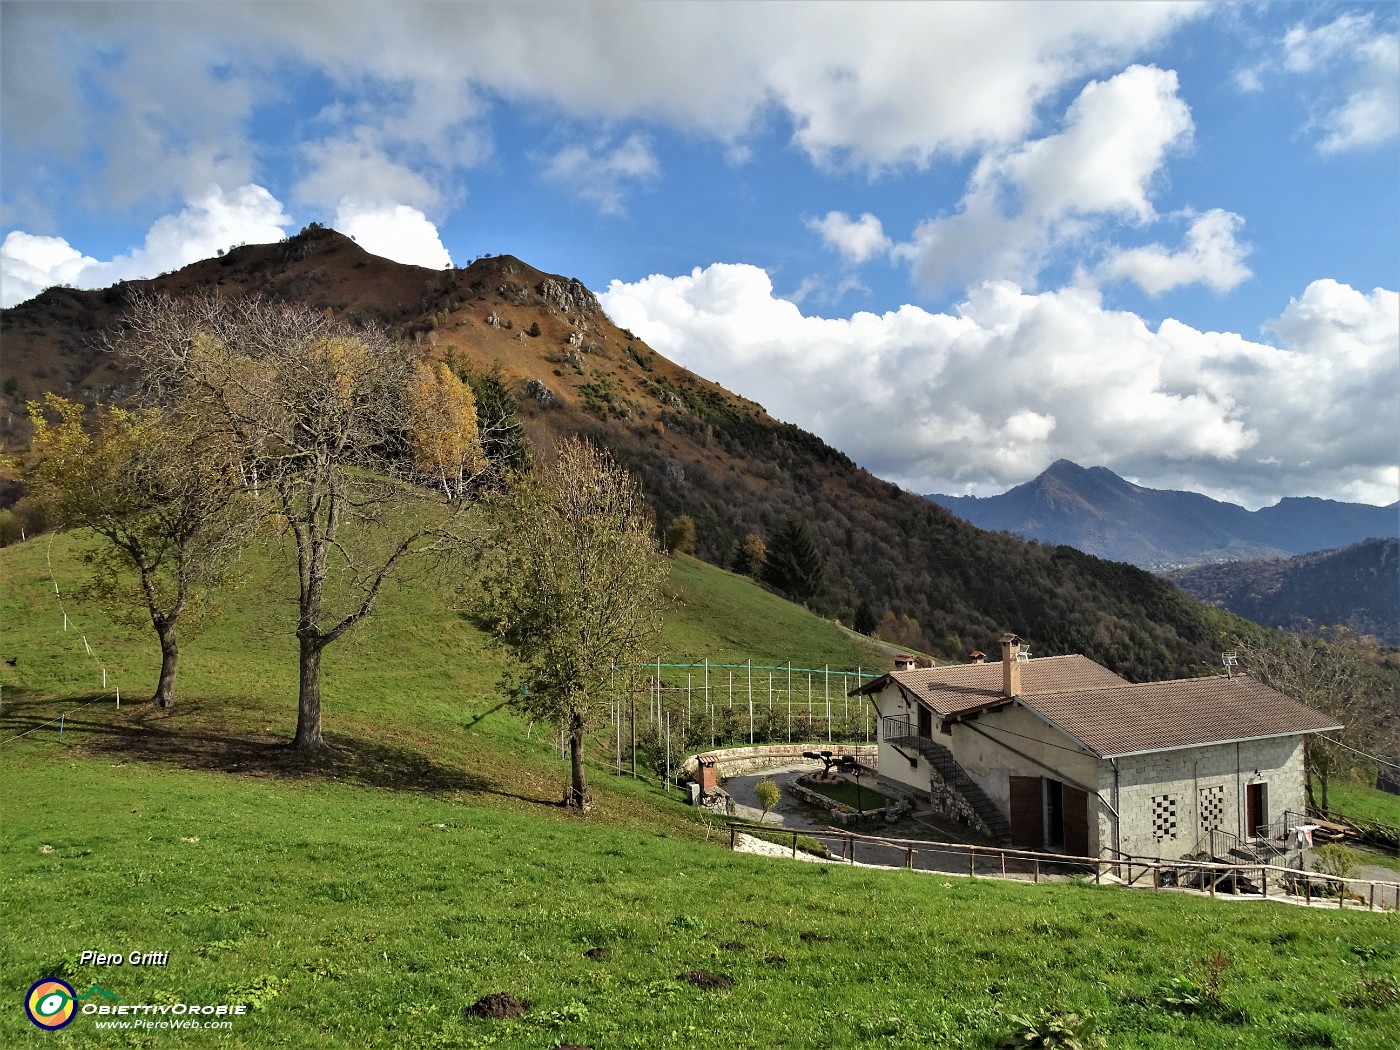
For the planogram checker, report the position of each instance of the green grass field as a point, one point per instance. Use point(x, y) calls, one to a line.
point(1364, 803)
point(369, 896)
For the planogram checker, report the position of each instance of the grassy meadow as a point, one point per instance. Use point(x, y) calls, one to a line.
point(367, 897)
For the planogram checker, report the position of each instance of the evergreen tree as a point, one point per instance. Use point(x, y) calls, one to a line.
point(502, 437)
point(865, 622)
point(793, 566)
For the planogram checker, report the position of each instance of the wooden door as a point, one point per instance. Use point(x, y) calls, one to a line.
point(1256, 808)
point(1027, 813)
point(1076, 810)
point(925, 722)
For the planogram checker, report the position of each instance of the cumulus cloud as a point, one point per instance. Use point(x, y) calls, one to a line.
point(164, 98)
point(856, 239)
point(1212, 256)
point(1024, 202)
point(1360, 107)
point(394, 231)
point(213, 221)
point(600, 174)
point(988, 395)
point(357, 166)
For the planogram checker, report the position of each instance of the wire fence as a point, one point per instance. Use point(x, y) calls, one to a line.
point(688, 707)
point(110, 690)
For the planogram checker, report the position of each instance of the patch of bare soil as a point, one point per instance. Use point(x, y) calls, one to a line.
point(706, 979)
point(815, 938)
point(497, 1005)
point(598, 953)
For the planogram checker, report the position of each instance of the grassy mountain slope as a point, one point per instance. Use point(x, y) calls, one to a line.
point(697, 449)
point(368, 897)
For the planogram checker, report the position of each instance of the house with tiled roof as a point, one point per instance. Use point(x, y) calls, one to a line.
point(1060, 753)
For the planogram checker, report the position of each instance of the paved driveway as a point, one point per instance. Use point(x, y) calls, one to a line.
point(792, 814)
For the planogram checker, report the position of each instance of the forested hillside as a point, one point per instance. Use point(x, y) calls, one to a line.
point(1357, 587)
point(698, 449)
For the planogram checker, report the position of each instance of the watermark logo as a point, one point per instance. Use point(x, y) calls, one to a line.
point(52, 1004)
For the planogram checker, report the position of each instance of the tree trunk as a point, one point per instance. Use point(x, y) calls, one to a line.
point(578, 792)
point(308, 736)
point(169, 656)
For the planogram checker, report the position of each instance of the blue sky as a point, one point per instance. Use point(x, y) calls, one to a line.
point(958, 241)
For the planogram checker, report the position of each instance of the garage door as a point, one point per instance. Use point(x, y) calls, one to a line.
point(1027, 814)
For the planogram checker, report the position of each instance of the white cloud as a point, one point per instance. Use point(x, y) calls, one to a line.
point(357, 166)
point(1212, 256)
point(601, 175)
point(1361, 106)
point(213, 221)
point(1025, 202)
point(856, 239)
point(394, 231)
point(163, 98)
point(989, 395)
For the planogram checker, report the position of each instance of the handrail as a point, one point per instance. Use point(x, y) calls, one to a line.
point(899, 721)
point(1212, 873)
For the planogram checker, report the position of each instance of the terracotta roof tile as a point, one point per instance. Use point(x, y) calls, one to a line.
point(963, 687)
point(1110, 716)
point(1160, 716)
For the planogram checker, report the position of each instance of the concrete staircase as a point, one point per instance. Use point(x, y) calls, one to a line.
point(954, 777)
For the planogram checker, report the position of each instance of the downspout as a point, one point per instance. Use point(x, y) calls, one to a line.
point(1239, 797)
point(1117, 822)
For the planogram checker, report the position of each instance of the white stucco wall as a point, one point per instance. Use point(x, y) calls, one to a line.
point(895, 765)
point(982, 747)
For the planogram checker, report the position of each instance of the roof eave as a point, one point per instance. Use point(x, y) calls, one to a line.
point(1216, 743)
point(876, 686)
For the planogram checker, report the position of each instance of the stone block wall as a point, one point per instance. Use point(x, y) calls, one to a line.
point(1167, 800)
point(759, 758)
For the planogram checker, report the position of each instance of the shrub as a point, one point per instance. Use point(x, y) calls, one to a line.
point(1336, 860)
point(680, 535)
point(768, 794)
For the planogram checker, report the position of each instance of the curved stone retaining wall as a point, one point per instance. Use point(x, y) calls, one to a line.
point(743, 761)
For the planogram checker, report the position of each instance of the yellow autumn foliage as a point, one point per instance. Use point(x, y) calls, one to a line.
point(443, 427)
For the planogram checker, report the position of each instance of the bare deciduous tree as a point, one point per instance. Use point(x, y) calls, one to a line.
point(1331, 675)
point(364, 452)
point(160, 490)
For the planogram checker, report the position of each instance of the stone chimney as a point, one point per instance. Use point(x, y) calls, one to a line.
point(1010, 666)
point(976, 656)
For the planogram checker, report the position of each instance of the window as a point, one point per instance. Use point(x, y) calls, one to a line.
point(1212, 807)
point(1163, 817)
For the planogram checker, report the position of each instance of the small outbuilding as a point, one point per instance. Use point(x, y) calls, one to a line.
point(1060, 753)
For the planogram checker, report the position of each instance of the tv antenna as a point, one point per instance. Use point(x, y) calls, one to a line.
point(1023, 654)
point(1230, 660)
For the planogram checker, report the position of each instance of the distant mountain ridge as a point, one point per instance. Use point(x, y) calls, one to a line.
point(1094, 510)
point(1357, 587)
